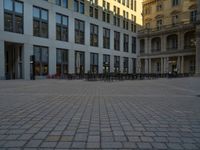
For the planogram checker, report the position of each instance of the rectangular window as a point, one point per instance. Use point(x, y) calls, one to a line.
point(193, 16)
point(63, 3)
point(94, 30)
point(126, 42)
point(41, 60)
point(106, 38)
point(159, 24)
point(79, 6)
point(94, 63)
point(133, 44)
point(40, 22)
point(79, 31)
point(106, 63)
point(117, 64)
point(61, 27)
point(61, 61)
point(116, 40)
point(13, 16)
point(106, 12)
point(175, 2)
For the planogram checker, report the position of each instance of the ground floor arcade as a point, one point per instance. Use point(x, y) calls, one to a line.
point(16, 61)
point(168, 64)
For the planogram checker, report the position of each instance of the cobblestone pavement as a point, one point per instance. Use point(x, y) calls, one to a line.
point(62, 114)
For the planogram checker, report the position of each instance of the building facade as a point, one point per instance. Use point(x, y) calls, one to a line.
point(168, 40)
point(68, 37)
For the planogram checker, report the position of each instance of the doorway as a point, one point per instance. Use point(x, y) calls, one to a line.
point(13, 61)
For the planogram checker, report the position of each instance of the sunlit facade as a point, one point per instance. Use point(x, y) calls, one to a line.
point(168, 40)
point(68, 37)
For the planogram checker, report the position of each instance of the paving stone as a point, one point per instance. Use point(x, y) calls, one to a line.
point(174, 146)
point(63, 145)
point(111, 145)
point(159, 145)
point(93, 145)
point(14, 144)
point(34, 143)
point(78, 144)
point(143, 145)
point(48, 144)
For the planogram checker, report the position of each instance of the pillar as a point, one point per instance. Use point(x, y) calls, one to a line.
point(162, 65)
point(111, 63)
point(2, 60)
point(27, 51)
point(146, 66)
point(149, 65)
point(178, 64)
point(87, 61)
point(52, 60)
point(182, 64)
point(100, 62)
point(198, 50)
point(71, 66)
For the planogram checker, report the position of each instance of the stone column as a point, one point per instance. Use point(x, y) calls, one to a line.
point(182, 64)
point(111, 63)
point(138, 65)
point(2, 60)
point(198, 49)
point(87, 62)
point(162, 65)
point(178, 64)
point(198, 40)
point(146, 66)
point(149, 65)
point(27, 51)
point(100, 63)
point(71, 65)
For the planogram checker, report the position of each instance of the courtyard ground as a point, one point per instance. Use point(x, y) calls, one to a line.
point(77, 114)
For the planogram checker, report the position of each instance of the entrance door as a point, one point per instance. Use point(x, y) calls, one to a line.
point(13, 61)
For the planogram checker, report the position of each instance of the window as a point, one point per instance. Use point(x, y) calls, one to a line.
point(106, 38)
point(106, 63)
point(94, 35)
point(126, 42)
point(106, 12)
point(133, 44)
point(40, 22)
point(142, 46)
point(116, 40)
point(79, 62)
point(94, 63)
point(159, 7)
point(61, 61)
point(135, 5)
point(116, 16)
point(125, 64)
point(159, 24)
point(174, 19)
point(63, 3)
point(94, 9)
point(79, 31)
point(79, 6)
point(125, 20)
point(117, 64)
point(175, 2)
point(133, 23)
point(13, 16)
point(193, 16)
point(61, 27)
point(172, 42)
point(41, 60)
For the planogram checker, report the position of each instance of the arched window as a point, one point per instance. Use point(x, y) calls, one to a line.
point(156, 44)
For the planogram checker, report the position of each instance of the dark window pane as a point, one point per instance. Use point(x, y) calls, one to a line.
point(18, 24)
point(8, 22)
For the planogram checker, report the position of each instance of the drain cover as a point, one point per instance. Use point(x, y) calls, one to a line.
point(198, 95)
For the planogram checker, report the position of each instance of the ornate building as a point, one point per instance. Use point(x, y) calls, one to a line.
point(168, 37)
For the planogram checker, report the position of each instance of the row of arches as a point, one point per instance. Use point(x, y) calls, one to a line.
point(172, 42)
